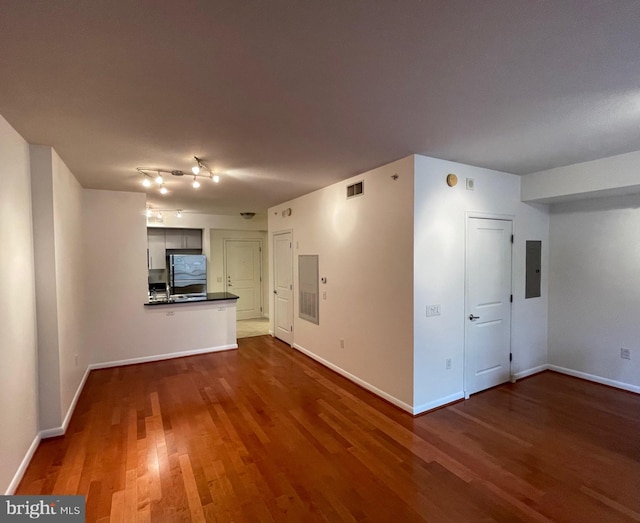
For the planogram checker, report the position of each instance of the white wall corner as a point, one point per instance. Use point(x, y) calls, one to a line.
point(530, 372)
point(440, 402)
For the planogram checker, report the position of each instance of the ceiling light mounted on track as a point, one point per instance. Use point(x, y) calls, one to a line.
point(159, 213)
point(199, 170)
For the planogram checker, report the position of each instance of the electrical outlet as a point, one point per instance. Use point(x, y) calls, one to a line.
point(341, 343)
point(170, 313)
point(448, 364)
point(625, 354)
point(433, 310)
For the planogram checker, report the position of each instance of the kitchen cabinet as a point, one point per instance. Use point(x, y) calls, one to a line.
point(156, 248)
point(183, 239)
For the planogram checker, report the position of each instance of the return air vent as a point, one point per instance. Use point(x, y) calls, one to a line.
point(355, 189)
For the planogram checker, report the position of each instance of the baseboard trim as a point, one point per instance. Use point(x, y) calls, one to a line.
point(160, 357)
point(440, 402)
point(17, 477)
point(530, 372)
point(597, 379)
point(60, 431)
point(358, 381)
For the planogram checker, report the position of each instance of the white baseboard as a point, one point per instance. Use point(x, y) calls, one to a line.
point(530, 372)
point(420, 409)
point(60, 431)
point(365, 385)
point(596, 379)
point(160, 357)
point(17, 477)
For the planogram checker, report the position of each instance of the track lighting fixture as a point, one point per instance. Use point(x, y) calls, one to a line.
point(159, 213)
point(200, 169)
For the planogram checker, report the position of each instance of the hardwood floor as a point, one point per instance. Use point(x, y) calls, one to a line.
point(266, 434)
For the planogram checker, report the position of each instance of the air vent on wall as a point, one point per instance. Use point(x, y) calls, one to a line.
point(355, 189)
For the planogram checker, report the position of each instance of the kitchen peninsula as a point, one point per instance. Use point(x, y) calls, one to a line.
point(187, 326)
point(211, 296)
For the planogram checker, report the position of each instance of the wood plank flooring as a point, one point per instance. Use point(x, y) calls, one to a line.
point(266, 434)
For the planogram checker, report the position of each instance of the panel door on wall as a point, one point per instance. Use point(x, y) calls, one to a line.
point(243, 266)
point(283, 287)
point(488, 304)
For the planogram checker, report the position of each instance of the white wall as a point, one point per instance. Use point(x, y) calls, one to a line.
point(18, 372)
point(69, 266)
point(611, 176)
point(58, 221)
point(119, 326)
point(439, 274)
point(595, 289)
point(365, 252)
point(46, 287)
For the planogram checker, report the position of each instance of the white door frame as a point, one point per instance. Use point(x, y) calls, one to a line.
point(225, 268)
point(486, 216)
point(272, 306)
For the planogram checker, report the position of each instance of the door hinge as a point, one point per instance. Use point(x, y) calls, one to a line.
point(512, 238)
point(290, 287)
point(291, 328)
point(510, 356)
point(289, 245)
point(511, 298)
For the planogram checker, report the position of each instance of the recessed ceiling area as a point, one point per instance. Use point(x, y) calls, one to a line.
point(283, 98)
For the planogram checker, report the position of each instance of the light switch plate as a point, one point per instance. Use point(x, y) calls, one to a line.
point(433, 310)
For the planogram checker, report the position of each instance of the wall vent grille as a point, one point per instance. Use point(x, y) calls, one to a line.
point(355, 189)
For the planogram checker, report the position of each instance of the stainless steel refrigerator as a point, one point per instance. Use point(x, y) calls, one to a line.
point(187, 275)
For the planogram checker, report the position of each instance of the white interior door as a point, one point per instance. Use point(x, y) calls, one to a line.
point(488, 304)
point(243, 267)
point(283, 287)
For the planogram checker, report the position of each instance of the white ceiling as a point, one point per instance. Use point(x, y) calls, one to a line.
point(285, 97)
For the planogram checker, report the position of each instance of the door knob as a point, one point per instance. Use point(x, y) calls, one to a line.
point(472, 317)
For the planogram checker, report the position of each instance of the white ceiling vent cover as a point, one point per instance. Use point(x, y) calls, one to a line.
point(355, 189)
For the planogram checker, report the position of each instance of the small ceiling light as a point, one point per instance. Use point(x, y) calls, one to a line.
point(198, 166)
point(146, 182)
point(149, 213)
point(196, 183)
point(159, 179)
point(163, 190)
point(215, 178)
point(247, 215)
point(179, 214)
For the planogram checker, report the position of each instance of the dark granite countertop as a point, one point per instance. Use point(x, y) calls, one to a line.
point(212, 296)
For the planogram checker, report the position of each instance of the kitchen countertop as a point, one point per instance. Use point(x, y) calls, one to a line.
point(212, 296)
